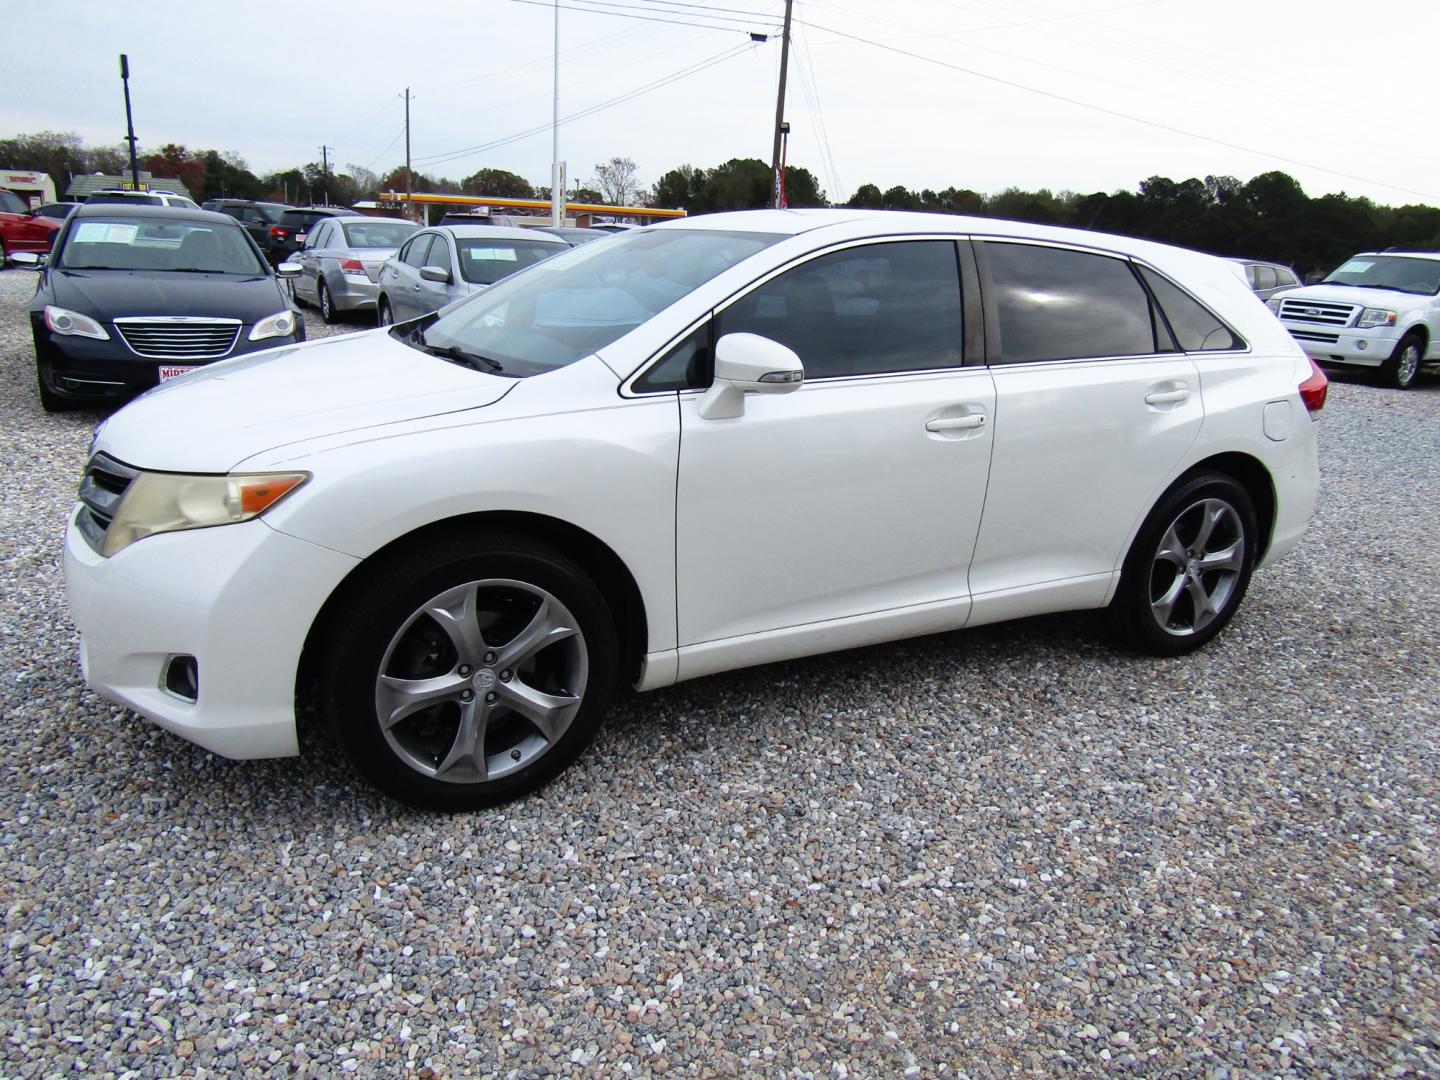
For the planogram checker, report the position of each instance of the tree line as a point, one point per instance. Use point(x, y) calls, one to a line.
point(1267, 217)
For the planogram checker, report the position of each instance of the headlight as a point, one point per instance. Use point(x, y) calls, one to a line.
point(1273, 304)
point(1374, 316)
point(281, 325)
point(72, 324)
point(167, 502)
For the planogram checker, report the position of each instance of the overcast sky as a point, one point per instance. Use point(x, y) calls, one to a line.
point(1080, 95)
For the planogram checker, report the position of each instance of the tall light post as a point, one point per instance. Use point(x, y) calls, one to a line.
point(557, 167)
point(129, 122)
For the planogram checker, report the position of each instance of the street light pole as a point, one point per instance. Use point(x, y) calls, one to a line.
point(777, 179)
point(129, 122)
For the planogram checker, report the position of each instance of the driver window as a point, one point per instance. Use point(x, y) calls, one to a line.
point(418, 251)
point(879, 308)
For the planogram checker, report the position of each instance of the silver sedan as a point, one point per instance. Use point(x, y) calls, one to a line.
point(441, 265)
point(340, 262)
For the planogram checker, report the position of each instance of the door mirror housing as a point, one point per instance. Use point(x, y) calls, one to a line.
point(749, 364)
point(435, 273)
point(288, 270)
point(27, 259)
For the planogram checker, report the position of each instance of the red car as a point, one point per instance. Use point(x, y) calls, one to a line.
point(21, 230)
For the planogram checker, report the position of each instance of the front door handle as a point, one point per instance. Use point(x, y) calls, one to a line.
point(956, 423)
point(1167, 397)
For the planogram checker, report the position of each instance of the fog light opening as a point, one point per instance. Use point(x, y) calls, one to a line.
point(181, 676)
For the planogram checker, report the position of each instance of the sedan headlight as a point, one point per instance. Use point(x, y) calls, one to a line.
point(168, 502)
point(281, 324)
point(1374, 316)
point(72, 324)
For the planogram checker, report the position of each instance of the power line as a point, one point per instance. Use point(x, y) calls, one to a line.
point(1117, 113)
point(621, 6)
point(673, 77)
point(645, 18)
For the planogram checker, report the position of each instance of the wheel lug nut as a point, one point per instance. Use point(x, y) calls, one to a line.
point(466, 695)
point(505, 676)
point(491, 696)
point(489, 658)
point(464, 669)
point(514, 755)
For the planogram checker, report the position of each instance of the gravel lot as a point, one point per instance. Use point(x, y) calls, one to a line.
point(1009, 850)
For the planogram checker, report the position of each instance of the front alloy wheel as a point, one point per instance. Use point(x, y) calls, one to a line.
point(463, 673)
point(1404, 365)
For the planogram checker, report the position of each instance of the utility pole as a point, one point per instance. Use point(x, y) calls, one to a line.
point(325, 174)
point(777, 179)
point(557, 168)
point(409, 207)
point(129, 122)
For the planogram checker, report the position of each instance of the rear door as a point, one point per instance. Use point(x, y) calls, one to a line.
point(1095, 408)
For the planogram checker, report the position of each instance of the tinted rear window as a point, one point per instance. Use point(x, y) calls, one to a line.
point(300, 219)
point(1195, 328)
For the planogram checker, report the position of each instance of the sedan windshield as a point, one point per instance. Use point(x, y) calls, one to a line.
point(484, 262)
point(580, 301)
point(1397, 272)
point(137, 243)
point(378, 234)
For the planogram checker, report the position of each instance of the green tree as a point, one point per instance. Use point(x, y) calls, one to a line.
point(497, 182)
point(681, 188)
point(867, 197)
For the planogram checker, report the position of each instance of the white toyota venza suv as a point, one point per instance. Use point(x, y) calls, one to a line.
point(698, 446)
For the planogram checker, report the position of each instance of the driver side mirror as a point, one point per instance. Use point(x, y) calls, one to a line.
point(435, 273)
point(27, 259)
point(288, 270)
point(749, 364)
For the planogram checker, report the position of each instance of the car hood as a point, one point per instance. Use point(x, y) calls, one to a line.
point(1390, 299)
point(108, 294)
point(213, 418)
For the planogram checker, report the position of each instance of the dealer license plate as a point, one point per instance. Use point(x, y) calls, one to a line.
point(168, 373)
point(299, 237)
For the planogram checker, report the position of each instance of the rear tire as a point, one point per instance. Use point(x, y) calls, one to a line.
point(467, 673)
point(326, 302)
point(1403, 367)
point(1188, 568)
point(383, 315)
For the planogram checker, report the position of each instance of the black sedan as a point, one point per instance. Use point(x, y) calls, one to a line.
point(133, 296)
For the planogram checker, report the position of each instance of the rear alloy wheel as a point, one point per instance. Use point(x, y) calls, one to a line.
point(327, 305)
point(1188, 568)
point(383, 315)
point(1404, 363)
point(465, 675)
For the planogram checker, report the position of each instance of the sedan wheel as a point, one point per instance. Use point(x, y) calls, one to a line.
point(383, 315)
point(490, 669)
point(327, 305)
point(1189, 567)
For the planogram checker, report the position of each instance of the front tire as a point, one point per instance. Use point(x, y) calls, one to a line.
point(1403, 367)
point(1188, 568)
point(465, 674)
point(383, 315)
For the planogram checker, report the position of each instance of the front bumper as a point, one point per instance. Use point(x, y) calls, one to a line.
point(239, 598)
point(84, 369)
point(1345, 345)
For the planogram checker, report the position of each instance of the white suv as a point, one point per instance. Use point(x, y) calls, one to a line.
point(697, 446)
point(1380, 310)
point(152, 198)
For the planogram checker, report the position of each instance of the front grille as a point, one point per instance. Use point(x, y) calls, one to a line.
point(1311, 335)
point(101, 489)
point(179, 338)
point(1317, 312)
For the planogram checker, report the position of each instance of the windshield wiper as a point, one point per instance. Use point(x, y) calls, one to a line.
point(456, 354)
point(1361, 285)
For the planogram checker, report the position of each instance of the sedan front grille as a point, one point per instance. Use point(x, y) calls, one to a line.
point(1317, 312)
point(101, 490)
point(179, 338)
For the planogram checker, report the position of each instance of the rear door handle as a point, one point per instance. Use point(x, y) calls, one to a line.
point(1167, 397)
point(956, 423)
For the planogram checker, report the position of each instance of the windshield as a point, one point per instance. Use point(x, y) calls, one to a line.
point(137, 243)
point(484, 262)
point(584, 298)
point(377, 234)
point(1421, 276)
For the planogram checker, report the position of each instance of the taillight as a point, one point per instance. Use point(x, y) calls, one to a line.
point(1314, 389)
point(278, 233)
point(352, 266)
